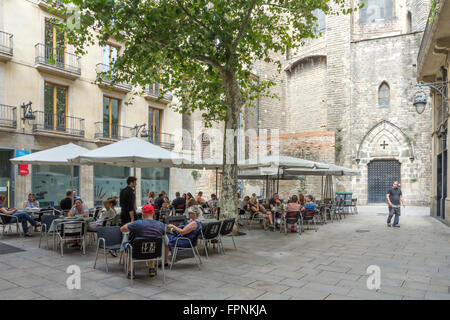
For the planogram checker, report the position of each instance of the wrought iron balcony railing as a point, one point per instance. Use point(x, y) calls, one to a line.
point(113, 131)
point(164, 140)
point(6, 43)
point(57, 58)
point(154, 93)
point(106, 75)
point(8, 116)
point(58, 123)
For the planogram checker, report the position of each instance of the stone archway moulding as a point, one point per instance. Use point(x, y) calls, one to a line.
point(389, 129)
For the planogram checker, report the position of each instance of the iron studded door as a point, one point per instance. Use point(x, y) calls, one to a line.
point(382, 174)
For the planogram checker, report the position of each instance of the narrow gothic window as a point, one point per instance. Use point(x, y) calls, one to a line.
point(320, 22)
point(383, 95)
point(376, 10)
point(408, 22)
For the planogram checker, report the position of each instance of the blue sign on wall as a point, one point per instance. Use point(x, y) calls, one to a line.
point(20, 153)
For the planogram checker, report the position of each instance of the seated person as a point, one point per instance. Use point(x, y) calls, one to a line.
point(199, 199)
point(189, 231)
point(293, 205)
point(244, 205)
point(66, 203)
point(179, 202)
point(253, 198)
point(213, 202)
point(309, 205)
point(147, 227)
point(190, 200)
point(275, 205)
point(301, 199)
point(107, 213)
point(15, 215)
point(78, 209)
point(31, 202)
point(254, 205)
point(151, 198)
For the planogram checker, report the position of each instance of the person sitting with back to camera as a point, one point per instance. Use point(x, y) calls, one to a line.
point(293, 206)
point(309, 205)
point(147, 227)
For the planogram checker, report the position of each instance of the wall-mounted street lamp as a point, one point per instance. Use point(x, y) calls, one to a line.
point(420, 98)
point(27, 112)
point(144, 133)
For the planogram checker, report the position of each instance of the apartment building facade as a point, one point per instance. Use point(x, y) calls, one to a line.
point(49, 96)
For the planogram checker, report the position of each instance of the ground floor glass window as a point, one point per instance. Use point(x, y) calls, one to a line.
point(154, 179)
point(51, 182)
point(108, 181)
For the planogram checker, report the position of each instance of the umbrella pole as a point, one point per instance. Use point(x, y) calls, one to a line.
point(71, 182)
point(216, 180)
point(278, 179)
point(322, 190)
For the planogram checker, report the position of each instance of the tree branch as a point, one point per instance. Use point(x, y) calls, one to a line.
point(196, 21)
point(210, 61)
point(243, 26)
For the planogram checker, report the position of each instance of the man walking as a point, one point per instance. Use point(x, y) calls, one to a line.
point(394, 196)
point(128, 202)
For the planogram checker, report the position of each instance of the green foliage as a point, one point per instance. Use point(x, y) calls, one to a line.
point(301, 186)
point(195, 174)
point(434, 7)
point(197, 48)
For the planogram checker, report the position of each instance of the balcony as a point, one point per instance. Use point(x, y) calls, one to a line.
point(164, 140)
point(6, 46)
point(110, 133)
point(57, 61)
point(105, 77)
point(49, 123)
point(48, 5)
point(8, 117)
point(153, 93)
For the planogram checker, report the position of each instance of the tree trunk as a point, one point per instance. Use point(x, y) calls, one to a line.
point(234, 100)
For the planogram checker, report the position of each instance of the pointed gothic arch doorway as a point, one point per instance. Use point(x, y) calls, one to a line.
point(381, 176)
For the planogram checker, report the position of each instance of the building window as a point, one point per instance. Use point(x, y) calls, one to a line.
point(55, 43)
point(154, 179)
point(320, 22)
point(108, 181)
point(408, 22)
point(111, 118)
point(384, 95)
point(55, 106)
point(110, 54)
point(154, 125)
point(376, 10)
point(50, 182)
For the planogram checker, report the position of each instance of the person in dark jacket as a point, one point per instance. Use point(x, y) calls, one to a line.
point(128, 202)
point(179, 202)
point(66, 203)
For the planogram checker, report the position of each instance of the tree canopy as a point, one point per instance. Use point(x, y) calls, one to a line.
point(189, 45)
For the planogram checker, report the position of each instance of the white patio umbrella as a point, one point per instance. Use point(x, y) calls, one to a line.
point(332, 170)
point(54, 156)
point(133, 152)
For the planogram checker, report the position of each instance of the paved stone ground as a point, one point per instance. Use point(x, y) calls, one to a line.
point(329, 264)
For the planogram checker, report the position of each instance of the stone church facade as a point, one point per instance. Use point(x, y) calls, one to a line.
point(356, 82)
point(346, 98)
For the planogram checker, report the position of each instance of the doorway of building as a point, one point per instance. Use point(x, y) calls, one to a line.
point(441, 184)
point(381, 176)
point(6, 176)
